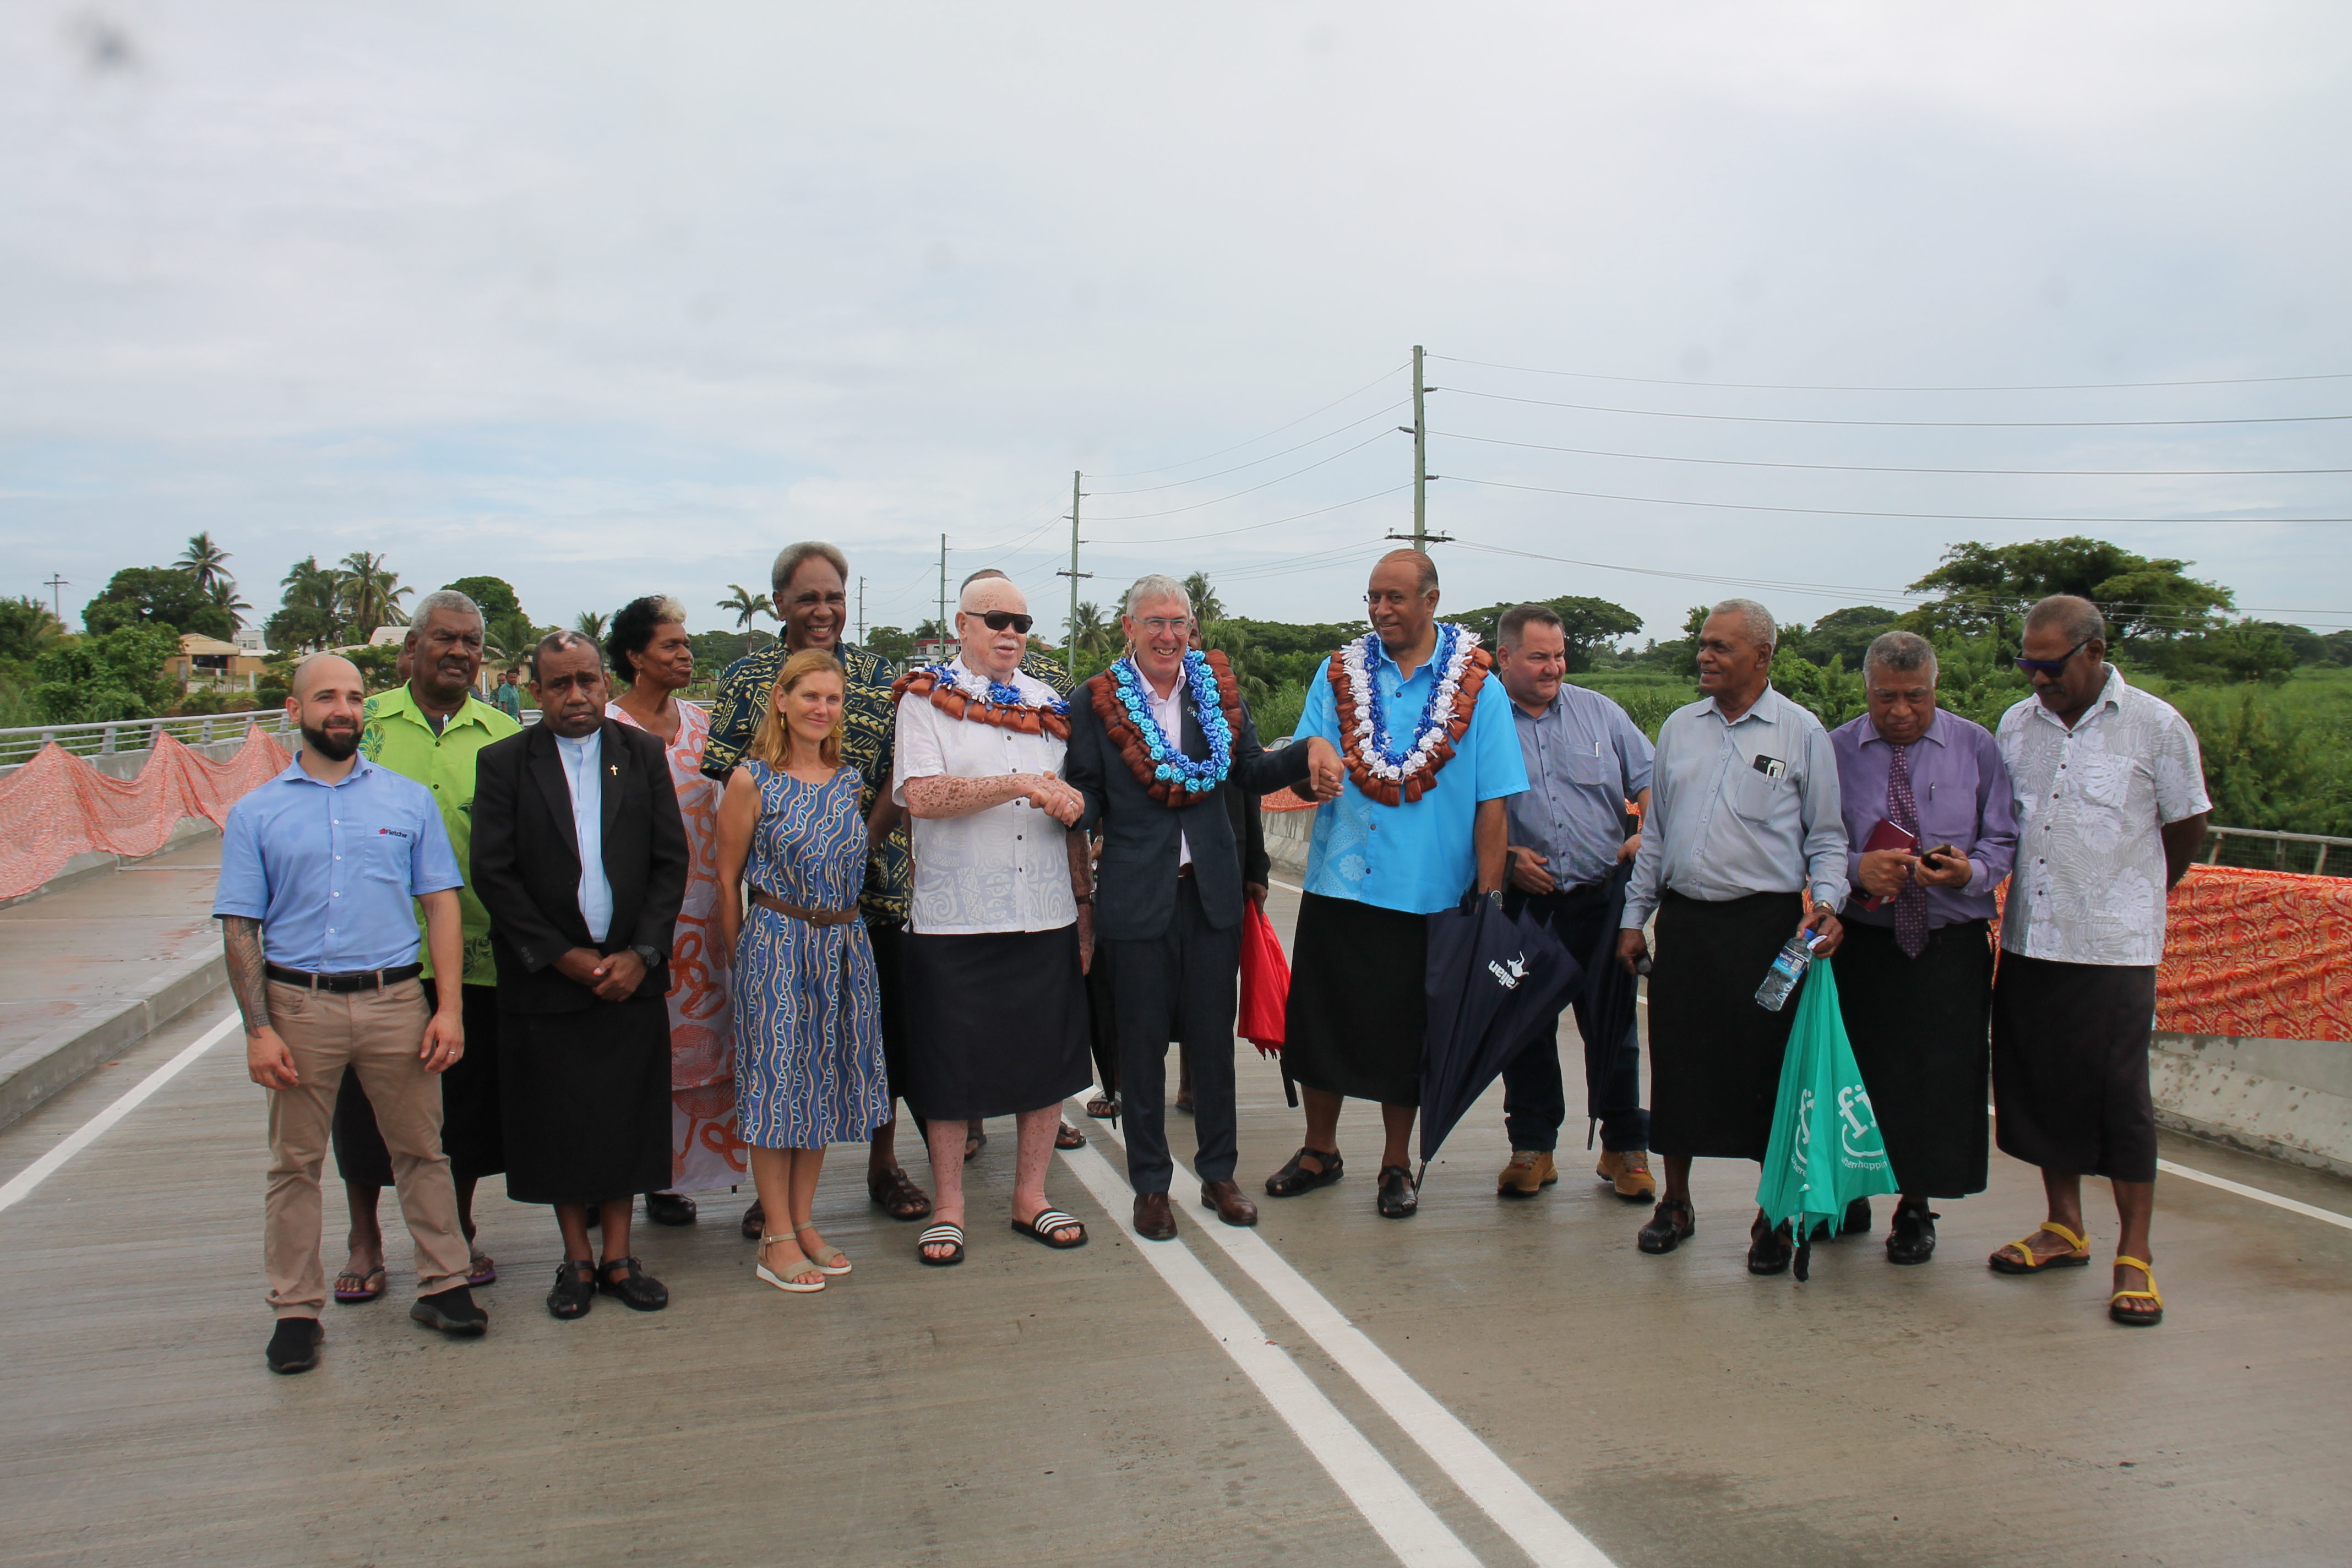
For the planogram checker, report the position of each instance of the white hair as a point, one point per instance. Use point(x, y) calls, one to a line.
point(1754, 616)
point(443, 599)
point(1156, 585)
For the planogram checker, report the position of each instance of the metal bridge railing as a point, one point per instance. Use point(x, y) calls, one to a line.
point(2261, 849)
point(139, 735)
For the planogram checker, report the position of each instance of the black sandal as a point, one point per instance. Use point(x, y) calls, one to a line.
point(1295, 1178)
point(898, 1194)
point(1399, 1197)
point(575, 1290)
point(1042, 1226)
point(942, 1235)
point(636, 1288)
point(973, 1143)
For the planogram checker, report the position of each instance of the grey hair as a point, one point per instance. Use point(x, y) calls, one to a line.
point(560, 641)
point(792, 557)
point(444, 599)
point(1899, 653)
point(964, 593)
point(1513, 629)
point(1758, 619)
point(2076, 618)
point(1155, 585)
point(984, 572)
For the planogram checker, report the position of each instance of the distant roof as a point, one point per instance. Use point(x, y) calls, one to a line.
point(191, 644)
point(387, 636)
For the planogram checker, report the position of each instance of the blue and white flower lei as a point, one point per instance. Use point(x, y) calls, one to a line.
point(1169, 764)
point(1371, 742)
point(999, 694)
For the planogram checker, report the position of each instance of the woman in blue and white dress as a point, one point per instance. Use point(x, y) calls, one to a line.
point(808, 1032)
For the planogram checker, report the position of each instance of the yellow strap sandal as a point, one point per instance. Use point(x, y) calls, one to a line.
point(2079, 1258)
point(2136, 1320)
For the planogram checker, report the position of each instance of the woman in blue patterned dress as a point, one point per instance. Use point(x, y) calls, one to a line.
point(808, 1032)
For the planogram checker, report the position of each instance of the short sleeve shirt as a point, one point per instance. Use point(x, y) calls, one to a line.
point(397, 736)
point(1585, 761)
point(2092, 803)
point(1420, 857)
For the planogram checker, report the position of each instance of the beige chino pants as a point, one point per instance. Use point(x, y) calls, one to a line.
point(375, 1033)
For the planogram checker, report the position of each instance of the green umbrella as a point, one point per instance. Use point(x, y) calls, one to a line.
point(1826, 1150)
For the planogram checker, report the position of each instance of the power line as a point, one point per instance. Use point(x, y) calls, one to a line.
point(1907, 423)
point(1254, 527)
point(1219, 500)
point(1206, 457)
point(1848, 511)
point(1254, 462)
point(1883, 468)
point(1772, 386)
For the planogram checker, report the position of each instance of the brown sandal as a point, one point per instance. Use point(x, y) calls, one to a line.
point(1068, 1137)
point(898, 1194)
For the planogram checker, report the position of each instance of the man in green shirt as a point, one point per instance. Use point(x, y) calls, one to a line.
point(429, 730)
point(507, 697)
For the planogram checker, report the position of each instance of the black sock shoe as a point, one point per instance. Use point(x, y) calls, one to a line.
point(294, 1347)
point(452, 1312)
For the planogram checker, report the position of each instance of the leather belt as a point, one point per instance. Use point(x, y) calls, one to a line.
point(363, 980)
point(814, 917)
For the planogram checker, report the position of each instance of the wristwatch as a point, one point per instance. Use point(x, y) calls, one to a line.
point(649, 952)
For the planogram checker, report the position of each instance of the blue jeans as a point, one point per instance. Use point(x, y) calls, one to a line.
point(1535, 1098)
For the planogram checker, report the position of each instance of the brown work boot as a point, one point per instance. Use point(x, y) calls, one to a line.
point(1530, 1173)
point(1629, 1173)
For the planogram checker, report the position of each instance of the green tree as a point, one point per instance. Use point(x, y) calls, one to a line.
point(203, 561)
point(1843, 636)
point(1092, 632)
point(1588, 624)
point(890, 643)
point(2265, 767)
point(369, 594)
point(745, 605)
point(27, 629)
point(223, 594)
point(1986, 587)
point(495, 595)
point(311, 613)
point(1206, 605)
point(589, 625)
point(118, 675)
point(156, 597)
point(1679, 657)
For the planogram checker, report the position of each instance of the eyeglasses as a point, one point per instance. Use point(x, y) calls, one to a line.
point(1160, 626)
point(997, 620)
point(2051, 665)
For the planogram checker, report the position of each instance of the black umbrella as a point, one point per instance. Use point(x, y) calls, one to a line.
point(1491, 978)
point(1608, 995)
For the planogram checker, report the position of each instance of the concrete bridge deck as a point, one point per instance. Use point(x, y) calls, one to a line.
point(1488, 1382)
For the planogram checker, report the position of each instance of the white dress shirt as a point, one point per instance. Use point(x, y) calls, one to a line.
point(2092, 803)
point(1168, 712)
point(583, 768)
point(1006, 869)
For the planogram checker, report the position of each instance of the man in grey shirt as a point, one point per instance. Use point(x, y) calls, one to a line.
point(1743, 825)
point(1585, 761)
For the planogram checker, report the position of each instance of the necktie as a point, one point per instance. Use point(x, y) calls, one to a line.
point(1903, 811)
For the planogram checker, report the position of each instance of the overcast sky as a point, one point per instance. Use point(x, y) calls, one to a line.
point(610, 299)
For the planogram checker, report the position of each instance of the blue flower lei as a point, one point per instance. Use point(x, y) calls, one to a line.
point(999, 694)
point(1169, 764)
point(1440, 660)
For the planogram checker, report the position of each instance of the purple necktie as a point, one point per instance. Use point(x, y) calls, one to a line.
point(1903, 811)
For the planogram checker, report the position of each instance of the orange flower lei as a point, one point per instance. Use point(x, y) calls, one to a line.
point(1389, 792)
point(1103, 693)
point(1029, 718)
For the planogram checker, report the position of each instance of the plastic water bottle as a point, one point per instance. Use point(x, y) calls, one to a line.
point(1788, 966)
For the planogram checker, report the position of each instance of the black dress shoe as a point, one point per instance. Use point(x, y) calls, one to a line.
point(1295, 1178)
point(452, 1312)
point(1857, 1218)
point(294, 1344)
point(575, 1290)
point(635, 1287)
point(1154, 1220)
point(1769, 1251)
point(670, 1209)
point(1672, 1223)
point(1225, 1197)
point(1912, 1240)
point(1400, 1199)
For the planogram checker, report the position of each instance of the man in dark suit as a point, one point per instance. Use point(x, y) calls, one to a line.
point(1168, 884)
point(580, 856)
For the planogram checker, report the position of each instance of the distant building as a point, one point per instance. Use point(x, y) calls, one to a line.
point(208, 661)
point(248, 640)
point(387, 636)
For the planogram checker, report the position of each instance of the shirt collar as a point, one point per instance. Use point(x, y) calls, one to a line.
point(402, 702)
point(1934, 732)
point(2111, 695)
point(361, 768)
point(1764, 710)
point(579, 747)
point(1381, 656)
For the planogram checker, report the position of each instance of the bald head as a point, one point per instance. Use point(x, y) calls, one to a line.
point(331, 669)
point(328, 702)
point(1401, 601)
point(1425, 570)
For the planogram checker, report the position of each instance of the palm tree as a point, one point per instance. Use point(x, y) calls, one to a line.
point(224, 593)
point(746, 606)
point(1090, 630)
point(1205, 607)
point(203, 560)
point(370, 593)
point(590, 625)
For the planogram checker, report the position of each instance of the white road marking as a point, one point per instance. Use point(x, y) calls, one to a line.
point(22, 1184)
point(1388, 1502)
point(1280, 883)
point(2291, 1205)
point(1515, 1507)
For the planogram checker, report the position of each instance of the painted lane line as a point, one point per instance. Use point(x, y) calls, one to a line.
point(1388, 1502)
point(1291, 886)
point(2291, 1205)
point(22, 1184)
point(1517, 1508)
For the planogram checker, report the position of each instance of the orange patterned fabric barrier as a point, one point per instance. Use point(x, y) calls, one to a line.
point(2260, 953)
point(57, 807)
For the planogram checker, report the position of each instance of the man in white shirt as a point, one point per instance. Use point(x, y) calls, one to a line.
point(2111, 806)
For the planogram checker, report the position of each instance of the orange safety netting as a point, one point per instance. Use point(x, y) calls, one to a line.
point(2261, 953)
point(57, 807)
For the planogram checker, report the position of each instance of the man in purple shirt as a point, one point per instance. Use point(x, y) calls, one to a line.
point(1915, 977)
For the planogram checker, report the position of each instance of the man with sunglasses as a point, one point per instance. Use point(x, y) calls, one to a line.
point(2111, 806)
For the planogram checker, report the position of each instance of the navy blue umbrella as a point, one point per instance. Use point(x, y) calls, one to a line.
point(1608, 995)
point(1492, 977)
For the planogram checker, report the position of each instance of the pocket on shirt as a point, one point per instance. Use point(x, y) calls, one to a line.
point(1586, 769)
point(384, 856)
point(1754, 797)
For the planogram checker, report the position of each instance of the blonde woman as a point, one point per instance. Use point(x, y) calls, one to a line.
point(808, 1036)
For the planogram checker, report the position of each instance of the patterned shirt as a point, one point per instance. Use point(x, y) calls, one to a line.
point(398, 736)
point(2092, 803)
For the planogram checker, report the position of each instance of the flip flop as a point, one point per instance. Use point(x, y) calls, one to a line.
point(485, 1270)
point(1042, 1226)
point(350, 1295)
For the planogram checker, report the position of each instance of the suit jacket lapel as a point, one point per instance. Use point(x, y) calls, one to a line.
point(545, 761)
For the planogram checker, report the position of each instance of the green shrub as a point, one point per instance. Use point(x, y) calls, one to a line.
point(93, 680)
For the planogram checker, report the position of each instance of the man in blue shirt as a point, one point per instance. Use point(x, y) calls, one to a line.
point(1586, 761)
point(1425, 742)
point(319, 867)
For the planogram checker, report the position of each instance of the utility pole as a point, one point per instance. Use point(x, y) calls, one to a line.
point(1419, 430)
point(861, 612)
point(56, 585)
point(1070, 643)
point(941, 623)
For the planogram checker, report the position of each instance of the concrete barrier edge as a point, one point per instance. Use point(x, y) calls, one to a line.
point(34, 1072)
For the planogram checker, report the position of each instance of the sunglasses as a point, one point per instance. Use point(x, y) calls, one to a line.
point(997, 620)
point(2051, 665)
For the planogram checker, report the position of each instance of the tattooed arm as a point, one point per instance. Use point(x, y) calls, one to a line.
point(266, 1060)
point(940, 796)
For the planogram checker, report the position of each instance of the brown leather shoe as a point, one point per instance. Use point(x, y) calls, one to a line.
point(1225, 1197)
point(1629, 1173)
point(1530, 1173)
point(1154, 1220)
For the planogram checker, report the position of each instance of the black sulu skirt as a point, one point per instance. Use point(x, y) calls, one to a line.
point(1358, 1000)
point(584, 1100)
point(2070, 1088)
point(996, 1023)
point(470, 1131)
point(1918, 1028)
point(1715, 1055)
